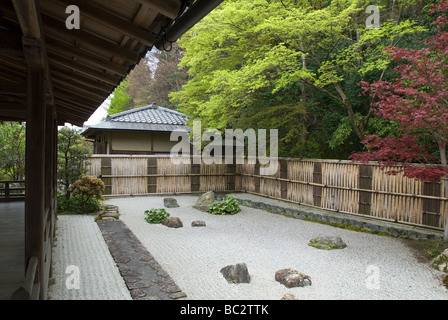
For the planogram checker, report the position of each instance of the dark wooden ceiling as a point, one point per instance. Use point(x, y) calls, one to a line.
point(84, 65)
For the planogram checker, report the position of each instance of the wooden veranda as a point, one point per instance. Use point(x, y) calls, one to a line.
point(53, 71)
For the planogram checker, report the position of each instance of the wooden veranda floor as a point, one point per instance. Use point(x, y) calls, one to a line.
point(12, 247)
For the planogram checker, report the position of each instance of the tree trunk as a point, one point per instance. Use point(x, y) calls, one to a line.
point(351, 114)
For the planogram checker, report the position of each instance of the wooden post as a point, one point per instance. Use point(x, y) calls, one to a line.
point(317, 190)
point(284, 175)
point(431, 207)
point(365, 182)
point(6, 190)
point(106, 169)
point(49, 156)
point(35, 169)
point(152, 169)
point(257, 179)
point(195, 181)
point(55, 172)
point(230, 179)
point(50, 188)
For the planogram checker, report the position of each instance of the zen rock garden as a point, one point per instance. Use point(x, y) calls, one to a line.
point(238, 273)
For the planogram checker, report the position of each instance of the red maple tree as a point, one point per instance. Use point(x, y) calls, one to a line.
point(417, 101)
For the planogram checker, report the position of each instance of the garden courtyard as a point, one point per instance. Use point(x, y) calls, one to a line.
point(370, 267)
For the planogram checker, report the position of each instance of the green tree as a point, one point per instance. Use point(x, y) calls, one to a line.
point(73, 151)
point(121, 100)
point(12, 150)
point(290, 64)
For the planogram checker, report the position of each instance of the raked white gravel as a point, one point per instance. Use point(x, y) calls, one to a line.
point(83, 268)
point(370, 267)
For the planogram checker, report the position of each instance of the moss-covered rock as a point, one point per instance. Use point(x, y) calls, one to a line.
point(441, 262)
point(327, 243)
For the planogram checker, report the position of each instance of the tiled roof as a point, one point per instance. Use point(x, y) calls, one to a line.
point(151, 114)
point(147, 118)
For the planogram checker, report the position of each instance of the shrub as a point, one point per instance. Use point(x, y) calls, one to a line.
point(86, 195)
point(156, 215)
point(77, 205)
point(229, 205)
point(88, 187)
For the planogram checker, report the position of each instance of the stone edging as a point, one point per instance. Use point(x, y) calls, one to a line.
point(372, 225)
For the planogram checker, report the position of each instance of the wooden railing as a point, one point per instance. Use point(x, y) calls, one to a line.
point(31, 287)
point(37, 274)
point(9, 191)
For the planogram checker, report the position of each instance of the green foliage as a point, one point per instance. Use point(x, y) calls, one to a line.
point(77, 205)
point(156, 215)
point(289, 64)
point(86, 196)
point(88, 187)
point(120, 101)
point(73, 151)
point(12, 150)
point(229, 205)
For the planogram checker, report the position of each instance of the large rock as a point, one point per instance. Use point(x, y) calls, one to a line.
point(236, 273)
point(292, 278)
point(327, 243)
point(198, 223)
point(172, 222)
point(206, 198)
point(170, 203)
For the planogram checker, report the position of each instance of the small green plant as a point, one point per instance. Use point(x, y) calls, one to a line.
point(156, 215)
point(229, 205)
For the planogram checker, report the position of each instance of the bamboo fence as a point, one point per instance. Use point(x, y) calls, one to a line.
point(328, 184)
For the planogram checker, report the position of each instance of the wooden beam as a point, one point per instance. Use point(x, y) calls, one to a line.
point(65, 49)
point(169, 8)
point(9, 74)
point(62, 92)
point(144, 18)
point(12, 114)
point(13, 64)
point(33, 41)
point(84, 109)
point(89, 72)
point(67, 115)
point(56, 28)
point(11, 99)
point(13, 111)
point(13, 88)
point(11, 44)
point(29, 19)
point(98, 15)
point(13, 106)
point(79, 89)
point(74, 113)
point(79, 79)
